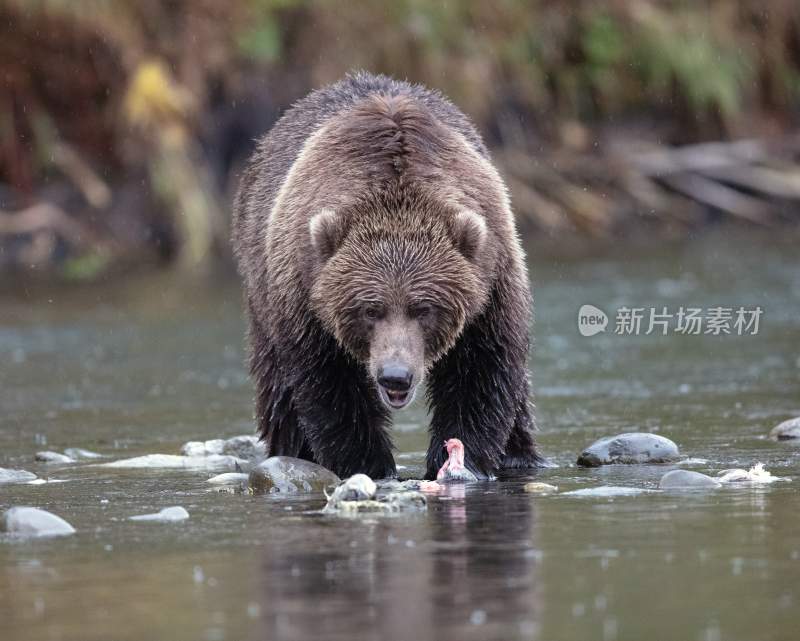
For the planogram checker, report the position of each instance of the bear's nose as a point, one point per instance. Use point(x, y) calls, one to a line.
point(395, 377)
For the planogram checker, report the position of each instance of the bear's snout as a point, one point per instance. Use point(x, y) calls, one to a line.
point(395, 381)
point(395, 377)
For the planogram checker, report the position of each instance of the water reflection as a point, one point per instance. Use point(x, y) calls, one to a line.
point(452, 569)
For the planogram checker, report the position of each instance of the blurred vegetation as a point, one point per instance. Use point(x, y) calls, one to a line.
point(123, 123)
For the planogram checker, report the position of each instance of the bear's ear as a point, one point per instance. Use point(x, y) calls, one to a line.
point(469, 233)
point(327, 233)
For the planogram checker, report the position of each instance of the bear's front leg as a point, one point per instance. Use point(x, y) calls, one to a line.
point(341, 416)
point(478, 392)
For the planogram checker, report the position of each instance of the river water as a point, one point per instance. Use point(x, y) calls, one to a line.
point(144, 365)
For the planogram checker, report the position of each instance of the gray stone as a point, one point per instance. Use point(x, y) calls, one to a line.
point(167, 515)
point(33, 522)
point(358, 487)
point(786, 431)
point(175, 461)
point(405, 501)
point(360, 495)
point(290, 475)
point(687, 480)
point(607, 491)
point(203, 448)
point(245, 446)
point(537, 487)
point(78, 454)
point(228, 478)
point(15, 476)
point(53, 457)
point(630, 448)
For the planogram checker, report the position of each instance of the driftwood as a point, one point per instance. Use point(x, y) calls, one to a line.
point(752, 181)
point(93, 188)
point(46, 217)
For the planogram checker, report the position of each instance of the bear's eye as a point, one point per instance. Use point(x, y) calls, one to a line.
point(373, 312)
point(420, 311)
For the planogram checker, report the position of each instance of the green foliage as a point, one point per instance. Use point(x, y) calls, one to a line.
point(603, 42)
point(86, 266)
point(261, 39)
point(262, 42)
point(709, 73)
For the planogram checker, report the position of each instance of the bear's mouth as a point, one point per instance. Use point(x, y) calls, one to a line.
point(396, 399)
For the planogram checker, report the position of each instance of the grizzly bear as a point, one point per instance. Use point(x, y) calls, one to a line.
point(378, 250)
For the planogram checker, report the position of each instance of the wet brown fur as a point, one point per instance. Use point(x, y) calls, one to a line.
point(397, 165)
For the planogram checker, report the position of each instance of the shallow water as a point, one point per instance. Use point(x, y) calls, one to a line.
point(144, 366)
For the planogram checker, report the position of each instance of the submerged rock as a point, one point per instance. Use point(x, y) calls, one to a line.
point(53, 457)
point(167, 515)
point(161, 461)
point(786, 431)
point(33, 522)
point(244, 446)
point(393, 485)
point(389, 504)
point(605, 491)
point(537, 487)
point(15, 476)
point(229, 478)
point(359, 495)
point(630, 448)
point(289, 475)
point(405, 501)
point(687, 480)
point(79, 454)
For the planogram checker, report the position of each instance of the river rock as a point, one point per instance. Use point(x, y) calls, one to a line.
point(358, 487)
point(360, 495)
point(289, 475)
point(228, 478)
point(245, 446)
point(15, 476)
point(393, 503)
point(386, 486)
point(607, 491)
point(53, 457)
point(786, 431)
point(631, 448)
point(79, 454)
point(687, 480)
point(175, 461)
point(537, 487)
point(407, 501)
point(203, 448)
point(33, 522)
point(167, 515)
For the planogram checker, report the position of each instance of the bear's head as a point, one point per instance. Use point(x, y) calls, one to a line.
point(395, 282)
